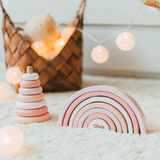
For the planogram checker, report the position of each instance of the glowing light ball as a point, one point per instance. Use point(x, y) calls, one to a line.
point(60, 43)
point(99, 54)
point(13, 75)
point(50, 55)
point(67, 32)
point(125, 41)
point(4, 90)
point(11, 139)
point(39, 47)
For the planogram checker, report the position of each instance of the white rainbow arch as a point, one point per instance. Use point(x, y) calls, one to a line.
point(103, 107)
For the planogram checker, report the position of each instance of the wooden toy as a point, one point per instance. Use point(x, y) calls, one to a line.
point(31, 105)
point(102, 107)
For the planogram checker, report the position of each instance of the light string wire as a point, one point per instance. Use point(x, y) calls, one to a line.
point(80, 30)
point(136, 15)
point(114, 34)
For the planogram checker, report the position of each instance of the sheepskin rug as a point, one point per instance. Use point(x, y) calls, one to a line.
point(47, 141)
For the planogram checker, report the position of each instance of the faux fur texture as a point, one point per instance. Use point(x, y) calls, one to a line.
point(47, 141)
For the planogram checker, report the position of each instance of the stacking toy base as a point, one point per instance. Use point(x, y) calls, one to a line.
point(31, 112)
point(27, 120)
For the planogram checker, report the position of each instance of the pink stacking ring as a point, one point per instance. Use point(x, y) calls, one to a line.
point(29, 91)
point(31, 112)
point(29, 84)
point(30, 98)
point(27, 120)
point(104, 117)
point(31, 105)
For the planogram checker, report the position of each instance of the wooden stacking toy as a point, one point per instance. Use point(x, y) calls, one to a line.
point(31, 105)
point(103, 107)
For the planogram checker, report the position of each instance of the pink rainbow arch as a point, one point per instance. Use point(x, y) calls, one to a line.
point(103, 101)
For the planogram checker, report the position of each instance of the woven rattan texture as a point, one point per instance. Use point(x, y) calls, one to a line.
point(63, 73)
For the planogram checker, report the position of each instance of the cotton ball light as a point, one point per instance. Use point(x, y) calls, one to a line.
point(125, 41)
point(39, 47)
point(99, 54)
point(13, 75)
point(4, 90)
point(67, 32)
point(60, 43)
point(11, 139)
point(50, 55)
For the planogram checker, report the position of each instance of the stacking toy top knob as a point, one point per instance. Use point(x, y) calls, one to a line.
point(30, 75)
point(29, 69)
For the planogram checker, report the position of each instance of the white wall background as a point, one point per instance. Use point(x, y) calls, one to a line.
point(102, 18)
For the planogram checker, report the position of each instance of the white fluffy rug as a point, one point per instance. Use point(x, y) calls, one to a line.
point(47, 141)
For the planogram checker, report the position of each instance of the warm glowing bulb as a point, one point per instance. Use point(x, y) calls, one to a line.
point(99, 54)
point(67, 32)
point(11, 139)
point(4, 90)
point(50, 55)
point(125, 41)
point(13, 75)
point(39, 47)
point(60, 43)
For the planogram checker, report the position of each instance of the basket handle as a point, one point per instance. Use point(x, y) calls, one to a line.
point(4, 11)
point(81, 9)
point(79, 14)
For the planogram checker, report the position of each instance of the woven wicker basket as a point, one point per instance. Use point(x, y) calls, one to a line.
point(63, 73)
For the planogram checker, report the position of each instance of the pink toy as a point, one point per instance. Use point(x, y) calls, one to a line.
point(30, 98)
point(95, 116)
point(30, 84)
point(105, 100)
point(35, 119)
point(31, 112)
point(30, 90)
point(31, 106)
point(104, 106)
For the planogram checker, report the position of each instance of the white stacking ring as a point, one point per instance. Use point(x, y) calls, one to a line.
point(29, 91)
point(33, 105)
point(30, 77)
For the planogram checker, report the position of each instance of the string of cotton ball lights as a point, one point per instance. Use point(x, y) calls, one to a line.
point(100, 54)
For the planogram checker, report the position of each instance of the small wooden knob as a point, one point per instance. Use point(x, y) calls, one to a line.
point(29, 69)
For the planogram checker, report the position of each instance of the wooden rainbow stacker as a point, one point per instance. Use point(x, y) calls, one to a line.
point(103, 107)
